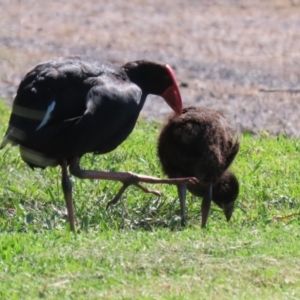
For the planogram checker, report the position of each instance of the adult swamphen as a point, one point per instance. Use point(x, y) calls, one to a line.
point(200, 143)
point(70, 106)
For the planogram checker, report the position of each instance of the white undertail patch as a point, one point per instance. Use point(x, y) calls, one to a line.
point(47, 115)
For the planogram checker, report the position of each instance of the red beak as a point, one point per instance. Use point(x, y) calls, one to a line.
point(172, 95)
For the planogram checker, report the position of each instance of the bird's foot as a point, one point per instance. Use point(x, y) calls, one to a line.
point(146, 190)
point(135, 179)
point(117, 198)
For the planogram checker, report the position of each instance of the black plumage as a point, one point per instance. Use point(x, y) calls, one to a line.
point(70, 106)
point(201, 143)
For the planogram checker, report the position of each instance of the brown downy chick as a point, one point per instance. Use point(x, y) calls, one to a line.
point(201, 143)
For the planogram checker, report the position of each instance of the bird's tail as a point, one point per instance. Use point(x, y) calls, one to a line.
point(4, 142)
point(10, 137)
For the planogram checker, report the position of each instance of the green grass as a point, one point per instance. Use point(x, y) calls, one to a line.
point(137, 249)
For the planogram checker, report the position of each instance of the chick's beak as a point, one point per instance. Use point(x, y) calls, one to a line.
point(228, 210)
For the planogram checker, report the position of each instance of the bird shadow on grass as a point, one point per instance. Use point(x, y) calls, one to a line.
point(35, 216)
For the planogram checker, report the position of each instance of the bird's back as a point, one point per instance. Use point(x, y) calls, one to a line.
point(71, 106)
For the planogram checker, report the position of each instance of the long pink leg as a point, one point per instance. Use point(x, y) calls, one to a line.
point(67, 189)
point(127, 178)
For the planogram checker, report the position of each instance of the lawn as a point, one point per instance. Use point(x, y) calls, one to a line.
point(137, 250)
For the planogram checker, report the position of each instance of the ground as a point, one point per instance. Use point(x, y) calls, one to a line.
point(240, 57)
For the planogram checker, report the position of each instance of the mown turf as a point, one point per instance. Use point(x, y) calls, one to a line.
point(191, 264)
point(137, 249)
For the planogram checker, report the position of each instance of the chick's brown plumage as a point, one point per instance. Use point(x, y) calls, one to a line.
point(201, 143)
